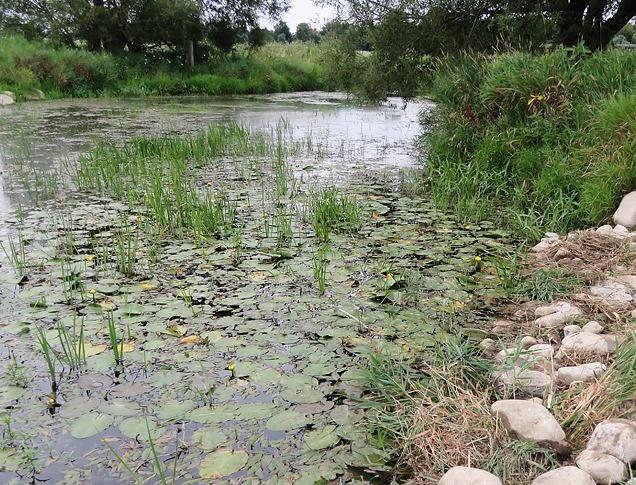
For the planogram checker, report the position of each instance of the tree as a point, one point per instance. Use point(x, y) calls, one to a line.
point(459, 23)
point(138, 25)
point(282, 32)
point(306, 33)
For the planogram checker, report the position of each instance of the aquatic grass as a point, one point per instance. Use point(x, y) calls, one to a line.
point(319, 266)
point(15, 251)
point(116, 347)
point(126, 246)
point(333, 212)
point(544, 284)
point(49, 358)
point(73, 345)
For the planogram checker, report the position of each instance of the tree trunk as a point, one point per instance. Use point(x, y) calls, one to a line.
point(190, 54)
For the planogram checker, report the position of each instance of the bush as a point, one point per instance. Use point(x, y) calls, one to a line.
point(539, 142)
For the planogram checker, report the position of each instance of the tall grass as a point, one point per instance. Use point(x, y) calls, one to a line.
point(540, 142)
point(63, 72)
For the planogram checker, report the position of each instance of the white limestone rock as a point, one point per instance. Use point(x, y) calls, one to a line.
point(612, 294)
point(6, 98)
point(603, 468)
point(625, 215)
point(606, 229)
point(556, 314)
point(580, 373)
point(550, 240)
point(593, 327)
point(530, 421)
point(583, 343)
point(463, 475)
point(570, 329)
point(528, 341)
point(532, 382)
point(567, 475)
point(616, 437)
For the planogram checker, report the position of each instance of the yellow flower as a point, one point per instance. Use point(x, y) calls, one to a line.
point(92, 291)
point(90, 258)
point(231, 366)
point(209, 184)
point(478, 258)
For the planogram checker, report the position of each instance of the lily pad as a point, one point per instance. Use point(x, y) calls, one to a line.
point(287, 420)
point(90, 424)
point(322, 438)
point(222, 463)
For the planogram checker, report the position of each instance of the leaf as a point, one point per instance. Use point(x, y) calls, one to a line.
point(222, 463)
point(175, 409)
point(302, 395)
point(91, 349)
point(208, 438)
point(286, 420)
point(175, 330)
point(127, 346)
point(322, 438)
point(137, 428)
point(192, 340)
point(90, 424)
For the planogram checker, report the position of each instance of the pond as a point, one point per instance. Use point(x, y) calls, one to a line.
point(198, 305)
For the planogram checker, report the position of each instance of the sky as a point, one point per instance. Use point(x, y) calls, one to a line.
point(306, 11)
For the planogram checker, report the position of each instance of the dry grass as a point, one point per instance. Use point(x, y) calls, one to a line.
point(580, 409)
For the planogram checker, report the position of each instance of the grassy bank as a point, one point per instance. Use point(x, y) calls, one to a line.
point(62, 72)
point(537, 142)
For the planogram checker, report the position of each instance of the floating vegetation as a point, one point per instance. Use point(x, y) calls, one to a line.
point(192, 322)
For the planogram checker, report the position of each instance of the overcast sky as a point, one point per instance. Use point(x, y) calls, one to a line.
point(305, 11)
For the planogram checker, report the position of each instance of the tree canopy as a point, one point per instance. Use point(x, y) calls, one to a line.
point(136, 25)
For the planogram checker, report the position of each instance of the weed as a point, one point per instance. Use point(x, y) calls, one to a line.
point(49, 358)
point(15, 252)
point(117, 347)
point(333, 212)
point(319, 264)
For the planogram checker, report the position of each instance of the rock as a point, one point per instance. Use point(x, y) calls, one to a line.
point(620, 230)
point(463, 475)
point(6, 98)
point(625, 215)
point(567, 475)
point(628, 280)
point(612, 342)
point(583, 343)
point(488, 345)
point(501, 326)
point(527, 342)
point(603, 468)
point(580, 373)
point(550, 240)
point(593, 327)
point(532, 382)
point(570, 329)
point(612, 293)
point(562, 253)
point(530, 421)
point(551, 316)
point(543, 350)
point(606, 229)
point(616, 437)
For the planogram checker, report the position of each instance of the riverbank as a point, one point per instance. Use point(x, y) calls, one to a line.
point(36, 70)
point(535, 142)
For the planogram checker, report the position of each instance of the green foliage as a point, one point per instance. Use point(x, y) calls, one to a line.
point(541, 142)
point(26, 66)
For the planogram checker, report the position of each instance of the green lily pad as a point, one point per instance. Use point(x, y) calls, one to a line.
point(90, 424)
point(209, 438)
point(174, 409)
point(222, 463)
point(322, 438)
point(287, 420)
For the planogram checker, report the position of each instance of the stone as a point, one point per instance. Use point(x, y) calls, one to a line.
point(612, 293)
point(550, 240)
point(543, 350)
point(528, 341)
point(463, 475)
point(501, 326)
point(620, 230)
point(567, 475)
point(570, 329)
point(603, 468)
point(532, 382)
point(583, 343)
point(35, 95)
point(6, 99)
point(612, 342)
point(625, 215)
point(593, 327)
point(556, 314)
point(606, 229)
point(530, 421)
point(580, 373)
point(628, 280)
point(562, 253)
point(616, 437)
point(488, 345)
